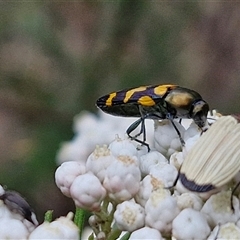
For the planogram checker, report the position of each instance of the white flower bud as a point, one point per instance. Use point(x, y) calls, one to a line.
point(161, 208)
point(189, 200)
point(147, 186)
point(165, 172)
point(75, 150)
point(176, 160)
point(62, 228)
point(83, 121)
point(66, 173)
point(192, 131)
point(146, 233)
point(93, 130)
point(98, 161)
point(12, 229)
point(218, 208)
point(142, 150)
point(189, 143)
point(6, 213)
point(185, 122)
point(166, 138)
point(129, 216)
point(87, 192)
point(225, 231)
point(122, 178)
point(190, 224)
point(122, 147)
point(149, 159)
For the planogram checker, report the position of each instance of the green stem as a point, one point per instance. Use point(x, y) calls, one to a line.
point(126, 236)
point(109, 220)
point(114, 234)
point(79, 219)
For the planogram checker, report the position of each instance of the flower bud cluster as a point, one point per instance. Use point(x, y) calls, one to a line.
point(129, 189)
point(91, 130)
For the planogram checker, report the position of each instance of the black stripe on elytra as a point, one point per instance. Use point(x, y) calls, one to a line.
point(191, 185)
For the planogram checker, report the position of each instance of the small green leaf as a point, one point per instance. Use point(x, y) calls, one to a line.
point(48, 216)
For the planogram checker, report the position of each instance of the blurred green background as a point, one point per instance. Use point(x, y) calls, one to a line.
point(57, 58)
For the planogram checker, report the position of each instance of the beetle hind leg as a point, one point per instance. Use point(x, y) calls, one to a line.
point(178, 133)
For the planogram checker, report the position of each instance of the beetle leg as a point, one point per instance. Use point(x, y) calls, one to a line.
point(180, 137)
point(233, 191)
point(170, 117)
point(142, 142)
point(133, 126)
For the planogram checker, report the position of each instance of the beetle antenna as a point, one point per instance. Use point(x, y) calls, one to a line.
point(213, 119)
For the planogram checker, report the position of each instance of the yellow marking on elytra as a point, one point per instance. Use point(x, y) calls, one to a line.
point(146, 101)
point(179, 99)
point(109, 100)
point(132, 91)
point(162, 89)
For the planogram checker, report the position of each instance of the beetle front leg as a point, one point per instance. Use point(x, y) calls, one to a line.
point(134, 125)
point(142, 131)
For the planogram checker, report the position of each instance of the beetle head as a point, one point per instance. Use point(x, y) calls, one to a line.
point(198, 112)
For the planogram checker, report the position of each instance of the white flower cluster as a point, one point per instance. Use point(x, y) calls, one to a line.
point(128, 189)
point(17, 221)
point(91, 130)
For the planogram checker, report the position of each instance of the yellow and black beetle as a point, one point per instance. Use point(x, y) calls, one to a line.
point(155, 102)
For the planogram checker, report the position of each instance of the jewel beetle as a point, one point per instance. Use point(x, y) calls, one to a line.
point(156, 102)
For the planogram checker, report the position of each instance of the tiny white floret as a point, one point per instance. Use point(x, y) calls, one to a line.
point(87, 192)
point(12, 229)
point(149, 159)
point(129, 216)
point(190, 224)
point(99, 161)
point(176, 160)
point(146, 233)
point(225, 231)
point(66, 173)
point(147, 186)
point(218, 208)
point(122, 179)
point(62, 228)
point(123, 147)
point(167, 140)
point(189, 200)
point(165, 172)
point(161, 208)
